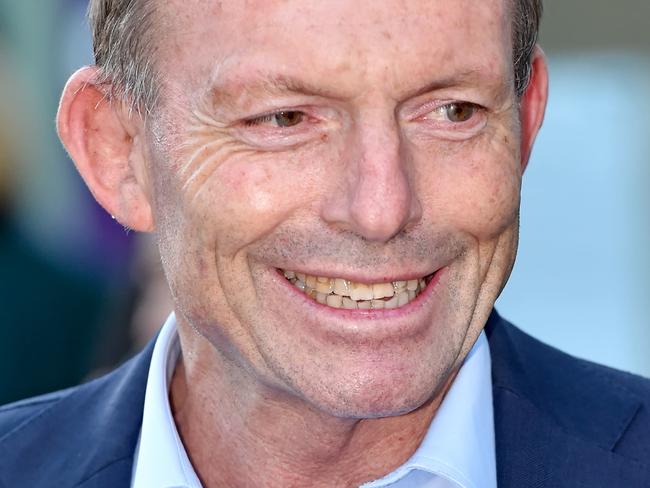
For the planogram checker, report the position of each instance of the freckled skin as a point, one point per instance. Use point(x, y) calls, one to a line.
point(367, 188)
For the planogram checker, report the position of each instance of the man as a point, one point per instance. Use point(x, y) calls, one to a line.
point(334, 187)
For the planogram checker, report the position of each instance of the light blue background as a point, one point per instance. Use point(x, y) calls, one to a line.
point(582, 277)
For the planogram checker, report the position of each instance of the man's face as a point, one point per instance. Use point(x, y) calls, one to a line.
point(354, 146)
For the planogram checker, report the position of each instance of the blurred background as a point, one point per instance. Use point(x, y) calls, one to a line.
point(78, 294)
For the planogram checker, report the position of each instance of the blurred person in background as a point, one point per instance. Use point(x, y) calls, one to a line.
point(336, 206)
point(66, 293)
point(47, 312)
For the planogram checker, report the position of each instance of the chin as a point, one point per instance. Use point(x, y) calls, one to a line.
point(372, 407)
point(373, 397)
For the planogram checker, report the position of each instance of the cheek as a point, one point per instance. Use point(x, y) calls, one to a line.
point(474, 187)
point(248, 196)
point(252, 198)
point(491, 193)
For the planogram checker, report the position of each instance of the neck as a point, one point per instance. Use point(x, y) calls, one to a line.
point(237, 435)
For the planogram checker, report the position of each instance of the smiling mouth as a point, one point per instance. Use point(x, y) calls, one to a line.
point(341, 293)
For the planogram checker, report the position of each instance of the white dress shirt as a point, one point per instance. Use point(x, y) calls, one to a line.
point(456, 452)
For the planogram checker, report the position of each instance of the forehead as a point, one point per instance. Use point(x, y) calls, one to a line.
point(391, 43)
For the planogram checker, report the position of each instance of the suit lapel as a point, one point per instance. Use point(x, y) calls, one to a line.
point(557, 423)
point(532, 450)
point(86, 437)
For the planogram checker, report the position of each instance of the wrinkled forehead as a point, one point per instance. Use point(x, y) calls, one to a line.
point(340, 42)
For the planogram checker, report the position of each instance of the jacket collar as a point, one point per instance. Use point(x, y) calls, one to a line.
point(557, 420)
point(97, 425)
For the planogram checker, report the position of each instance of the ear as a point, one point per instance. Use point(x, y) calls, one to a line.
point(533, 104)
point(105, 139)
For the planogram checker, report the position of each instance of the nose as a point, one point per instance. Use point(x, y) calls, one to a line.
point(375, 197)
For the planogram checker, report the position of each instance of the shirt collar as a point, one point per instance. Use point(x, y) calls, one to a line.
point(160, 459)
point(457, 450)
point(459, 445)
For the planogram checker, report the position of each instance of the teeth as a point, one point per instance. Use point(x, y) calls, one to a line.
point(399, 285)
point(340, 293)
point(342, 287)
point(324, 286)
point(359, 291)
point(382, 290)
point(392, 303)
point(335, 301)
point(310, 281)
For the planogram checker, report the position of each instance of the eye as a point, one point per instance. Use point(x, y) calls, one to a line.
point(285, 118)
point(458, 112)
point(453, 120)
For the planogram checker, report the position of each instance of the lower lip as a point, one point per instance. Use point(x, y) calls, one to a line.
point(370, 314)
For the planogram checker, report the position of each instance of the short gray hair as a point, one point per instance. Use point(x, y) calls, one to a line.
point(125, 51)
point(527, 15)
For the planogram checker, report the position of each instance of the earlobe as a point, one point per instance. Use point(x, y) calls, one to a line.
point(533, 105)
point(105, 141)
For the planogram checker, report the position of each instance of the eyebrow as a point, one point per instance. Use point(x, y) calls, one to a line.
point(227, 93)
point(466, 78)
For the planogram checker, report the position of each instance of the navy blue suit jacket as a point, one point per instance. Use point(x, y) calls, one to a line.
point(559, 422)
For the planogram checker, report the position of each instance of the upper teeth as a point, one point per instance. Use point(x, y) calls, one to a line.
point(340, 293)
